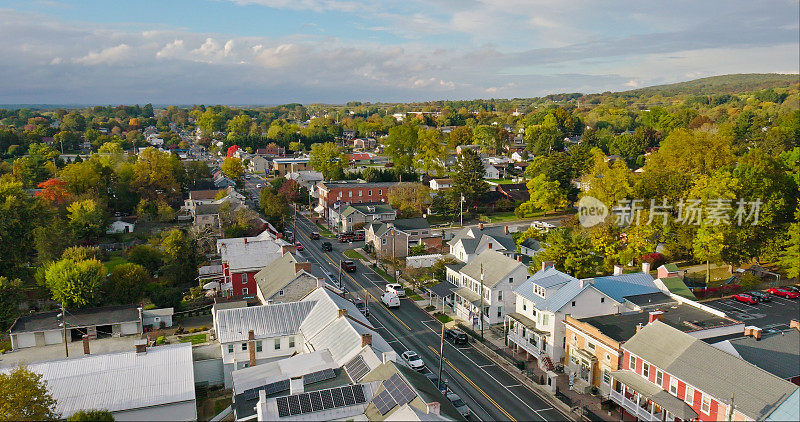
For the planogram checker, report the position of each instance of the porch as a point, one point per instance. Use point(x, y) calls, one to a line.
point(647, 401)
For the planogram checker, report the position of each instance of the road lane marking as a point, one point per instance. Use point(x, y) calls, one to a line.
point(513, 385)
point(475, 386)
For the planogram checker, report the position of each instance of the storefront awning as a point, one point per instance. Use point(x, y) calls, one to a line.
point(655, 393)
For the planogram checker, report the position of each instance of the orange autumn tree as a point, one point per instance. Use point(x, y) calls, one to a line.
point(54, 190)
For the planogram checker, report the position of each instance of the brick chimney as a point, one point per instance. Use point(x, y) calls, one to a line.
point(646, 267)
point(617, 269)
point(279, 235)
point(655, 316)
point(342, 313)
point(794, 324)
point(288, 249)
point(547, 264)
point(366, 339)
point(245, 240)
point(433, 408)
point(85, 344)
point(519, 258)
point(251, 347)
point(505, 229)
point(299, 266)
point(141, 347)
point(639, 326)
point(480, 226)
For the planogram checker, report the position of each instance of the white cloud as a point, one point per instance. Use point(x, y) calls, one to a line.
point(111, 55)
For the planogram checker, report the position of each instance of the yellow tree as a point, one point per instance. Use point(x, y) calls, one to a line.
point(233, 168)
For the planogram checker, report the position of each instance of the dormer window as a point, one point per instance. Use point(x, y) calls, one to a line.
point(490, 245)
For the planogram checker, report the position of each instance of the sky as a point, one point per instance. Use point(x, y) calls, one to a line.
point(334, 51)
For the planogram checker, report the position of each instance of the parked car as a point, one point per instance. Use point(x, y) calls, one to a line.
point(298, 246)
point(792, 288)
point(413, 360)
point(362, 306)
point(434, 379)
point(349, 266)
point(288, 235)
point(456, 336)
point(761, 296)
point(397, 289)
point(259, 185)
point(390, 299)
point(745, 298)
point(458, 403)
point(315, 235)
point(327, 247)
point(784, 293)
point(345, 237)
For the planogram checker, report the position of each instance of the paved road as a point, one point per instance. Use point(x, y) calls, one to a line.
point(490, 392)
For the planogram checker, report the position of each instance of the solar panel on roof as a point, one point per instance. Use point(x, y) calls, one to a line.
point(305, 403)
point(316, 401)
point(318, 376)
point(356, 368)
point(283, 406)
point(358, 393)
point(276, 387)
point(384, 402)
point(399, 389)
point(349, 397)
point(294, 405)
point(327, 399)
point(338, 398)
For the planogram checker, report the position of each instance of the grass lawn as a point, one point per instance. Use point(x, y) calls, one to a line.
point(194, 339)
point(411, 294)
point(323, 231)
point(383, 274)
point(113, 261)
point(499, 217)
point(444, 319)
point(502, 181)
point(352, 254)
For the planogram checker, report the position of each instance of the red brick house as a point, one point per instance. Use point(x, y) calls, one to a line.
point(352, 193)
point(243, 257)
point(668, 375)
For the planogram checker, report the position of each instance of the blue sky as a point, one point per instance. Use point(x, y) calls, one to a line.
point(277, 51)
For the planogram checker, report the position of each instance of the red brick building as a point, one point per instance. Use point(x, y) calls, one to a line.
point(353, 193)
point(243, 257)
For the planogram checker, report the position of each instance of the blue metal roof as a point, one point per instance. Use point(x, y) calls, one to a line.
point(620, 286)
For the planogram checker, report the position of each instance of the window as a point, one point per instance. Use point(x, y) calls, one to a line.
point(511, 280)
point(602, 300)
point(369, 192)
point(360, 193)
point(524, 306)
point(573, 303)
point(659, 378)
point(350, 194)
point(383, 241)
point(244, 290)
point(632, 363)
point(673, 386)
point(608, 357)
point(244, 278)
point(499, 311)
point(499, 295)
point(574, 337)
point(688, 395)
point(230, 348)
point(280, 292)
point(277, 344)
point(244, 346)
point(258, 346)
point(591, 346)
point(380, 191)
point(291, 342)
point(606, 377)
point(705, 405)
point(544, 320)
point(646, 370)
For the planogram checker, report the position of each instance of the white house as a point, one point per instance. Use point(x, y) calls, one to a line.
point(120, 226)
point(491, 172)
point(500, 275)
point(258, 164)
point(471, 241)
point(439, 184)
point(545, 298)
point(516, 157)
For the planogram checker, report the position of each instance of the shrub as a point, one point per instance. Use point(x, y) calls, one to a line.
point(655, 259)
point(161, 340)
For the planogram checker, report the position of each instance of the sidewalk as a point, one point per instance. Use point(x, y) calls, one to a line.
point(532, 376)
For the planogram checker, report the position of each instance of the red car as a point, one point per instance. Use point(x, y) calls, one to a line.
point(298, 246)
point(746, 298)
point(784, 293)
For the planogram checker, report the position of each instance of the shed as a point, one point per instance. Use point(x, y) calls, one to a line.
point(157, 318)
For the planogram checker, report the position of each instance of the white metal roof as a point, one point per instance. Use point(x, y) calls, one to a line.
point(120, 381)
point(266, 321)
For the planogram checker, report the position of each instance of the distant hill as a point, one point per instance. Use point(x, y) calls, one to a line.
point(723, 84)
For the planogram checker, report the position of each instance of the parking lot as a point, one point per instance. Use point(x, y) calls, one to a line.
point(770, 316)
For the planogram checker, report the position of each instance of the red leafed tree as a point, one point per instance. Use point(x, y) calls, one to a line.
point(290, 191)
point(54, 190)
point(232, 149)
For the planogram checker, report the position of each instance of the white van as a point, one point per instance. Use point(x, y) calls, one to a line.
point(390, 299)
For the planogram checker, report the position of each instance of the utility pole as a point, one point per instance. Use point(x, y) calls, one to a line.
point(481, 302)
point(441, 358)
point(461, 206)
point(394, 265)
point(64, 329)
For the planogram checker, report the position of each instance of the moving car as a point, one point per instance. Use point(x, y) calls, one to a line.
point(745, 298)
point(349, 266)
point(315, 235)
point(298, 245)
point(458, 403)
point(761, 296)
point(413, 360)
point(390, 299)
point(259, 185)
point(397, 289)
point(327, 247)
point(456, 336)
point(784, 293)
point(362, 306)
point(792, 288)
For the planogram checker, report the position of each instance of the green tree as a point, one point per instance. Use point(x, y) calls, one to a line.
point(210, 122)
point(91, 415)
point(157, 174)
point(233, 168)
point(607, 182)
point(707, 246)
point(401, 146)
point(571, 251)
point(789, 257)
point(274, 207)
point(461, 135)
point(239, 127)
point(86, 218)
point(148, 256)
point(432, 152)
point(327, 159)
point(76, 284)
point(545, 195)
point(19, 214)
point(126, 283)
point(24, 397)
point(468, 177)
point(410, 199)
point(9, 301)
point(486, 136)
point(691, 152)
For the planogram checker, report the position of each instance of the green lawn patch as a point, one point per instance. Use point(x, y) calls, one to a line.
point(383, 274)
point(323, 231)
point(443, 318)
point(411, 294)
point(113, 261)
point(194, 339)
point(499, 217)
point(353, 254)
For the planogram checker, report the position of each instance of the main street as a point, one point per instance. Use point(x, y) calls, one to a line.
point(490, 392)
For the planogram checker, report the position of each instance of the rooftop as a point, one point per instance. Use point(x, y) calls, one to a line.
point(686, 318)
point(266, 321)
point(120, 381)
point(203, 195)
point(44, 321)
point(495, 267)
point(249, 253)
point(357, 184)
point(778, 354)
